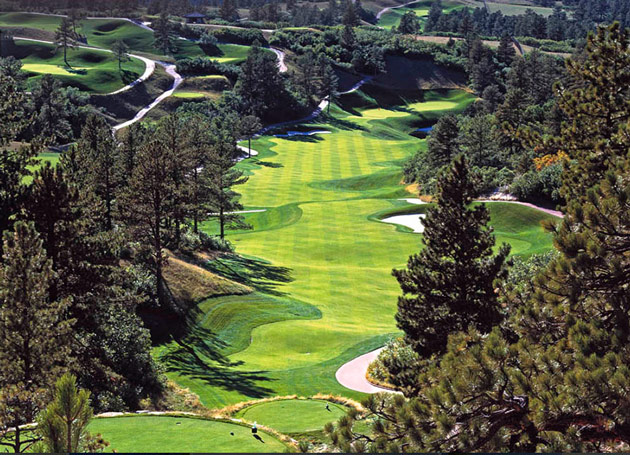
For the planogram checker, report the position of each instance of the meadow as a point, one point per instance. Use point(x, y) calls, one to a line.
point(318, 256)
point(421, 8)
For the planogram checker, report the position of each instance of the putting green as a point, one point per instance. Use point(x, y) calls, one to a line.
point(180, 434)
point(320, 263)
point(293, 416)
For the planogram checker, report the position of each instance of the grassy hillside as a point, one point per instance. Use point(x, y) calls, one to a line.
point(90, 70)
point(421, 8)
point(319, 261)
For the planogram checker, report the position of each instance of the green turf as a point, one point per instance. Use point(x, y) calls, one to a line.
point(180, 434)
point(320, 262)
point(90, 70)
point(293, 416)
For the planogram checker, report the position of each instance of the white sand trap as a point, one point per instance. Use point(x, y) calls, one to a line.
point(413, 222)
point(413, 200)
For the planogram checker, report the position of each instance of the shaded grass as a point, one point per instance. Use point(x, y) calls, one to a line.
point(180, 434)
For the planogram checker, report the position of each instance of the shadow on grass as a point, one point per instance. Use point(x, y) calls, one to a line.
point(255, 273)
point(198, 356)
point(269, 164)
point(128, 76)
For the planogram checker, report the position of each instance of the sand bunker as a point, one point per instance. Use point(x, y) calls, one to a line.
point(413, 222)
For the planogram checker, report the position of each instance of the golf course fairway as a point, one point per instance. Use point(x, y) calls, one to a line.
point(318, 257)
point(180, 434)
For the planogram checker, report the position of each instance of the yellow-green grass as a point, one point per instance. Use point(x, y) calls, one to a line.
point(161, 434)
point(188, 95)
point(512, 7)
point(319, 259)
point(91, 70)
point(293, 416)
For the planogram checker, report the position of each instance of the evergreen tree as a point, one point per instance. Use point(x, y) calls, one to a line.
point(330, 84)
point(224, 200)
point(250, 125)
point(435, 12)
point(65, 38)
point(443, 144)
point(449, 285)
point(97, 155)
point(506, 51)
point(149, 204)
point(409, 24)
point(164, 35)
point(50, 104)
point(120, 50)
point(350, 16)
point(34, 334)
point(228, 10)
point(63, 425)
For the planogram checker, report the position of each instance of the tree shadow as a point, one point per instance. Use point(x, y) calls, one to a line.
point(198, 356)
point(269, 164)
point(255, 273)
point(127, 76)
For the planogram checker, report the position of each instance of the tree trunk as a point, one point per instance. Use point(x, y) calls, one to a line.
point(222, 223)
point(249, 145)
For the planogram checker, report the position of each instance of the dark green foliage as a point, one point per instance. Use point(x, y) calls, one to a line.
point(409, 23)
point(449, 286)
point(554, 376)
point(34, 333)
point(65, 37)
point(164, 35)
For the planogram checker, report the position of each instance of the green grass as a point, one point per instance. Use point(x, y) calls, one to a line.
point(180, 434)
point(319, 261)
point(188, 95)
point(90, 70)
point(293, 416)
point(421, 8)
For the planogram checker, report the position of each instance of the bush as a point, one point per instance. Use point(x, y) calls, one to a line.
point(214, 243)
point(239, 36)
point(396, 351)
point(534, 186)
point(203, 66)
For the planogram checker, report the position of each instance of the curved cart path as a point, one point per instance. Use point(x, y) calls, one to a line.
point(352, 375)
point(282, 67)
point(177, 79)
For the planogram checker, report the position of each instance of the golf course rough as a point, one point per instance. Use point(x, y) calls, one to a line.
point(293, 416)
point(319, 257)
point(175, 434)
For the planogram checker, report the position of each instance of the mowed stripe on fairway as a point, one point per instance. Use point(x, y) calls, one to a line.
point(321, 194)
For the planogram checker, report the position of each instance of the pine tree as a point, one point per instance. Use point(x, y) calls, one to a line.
point(435, 12)
point(449, 285)
point(250, 125)
point(350, 16)
point(120, 50)
point(164, 36)
point(149, 205)
point(409, 24)
point(65, 38)
point(224, 200)
point(34, 334)
point(228, 10)
point(330, 84)
point(506, 51)
point(97, 155)
point(63, 425)
point(443, 144)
